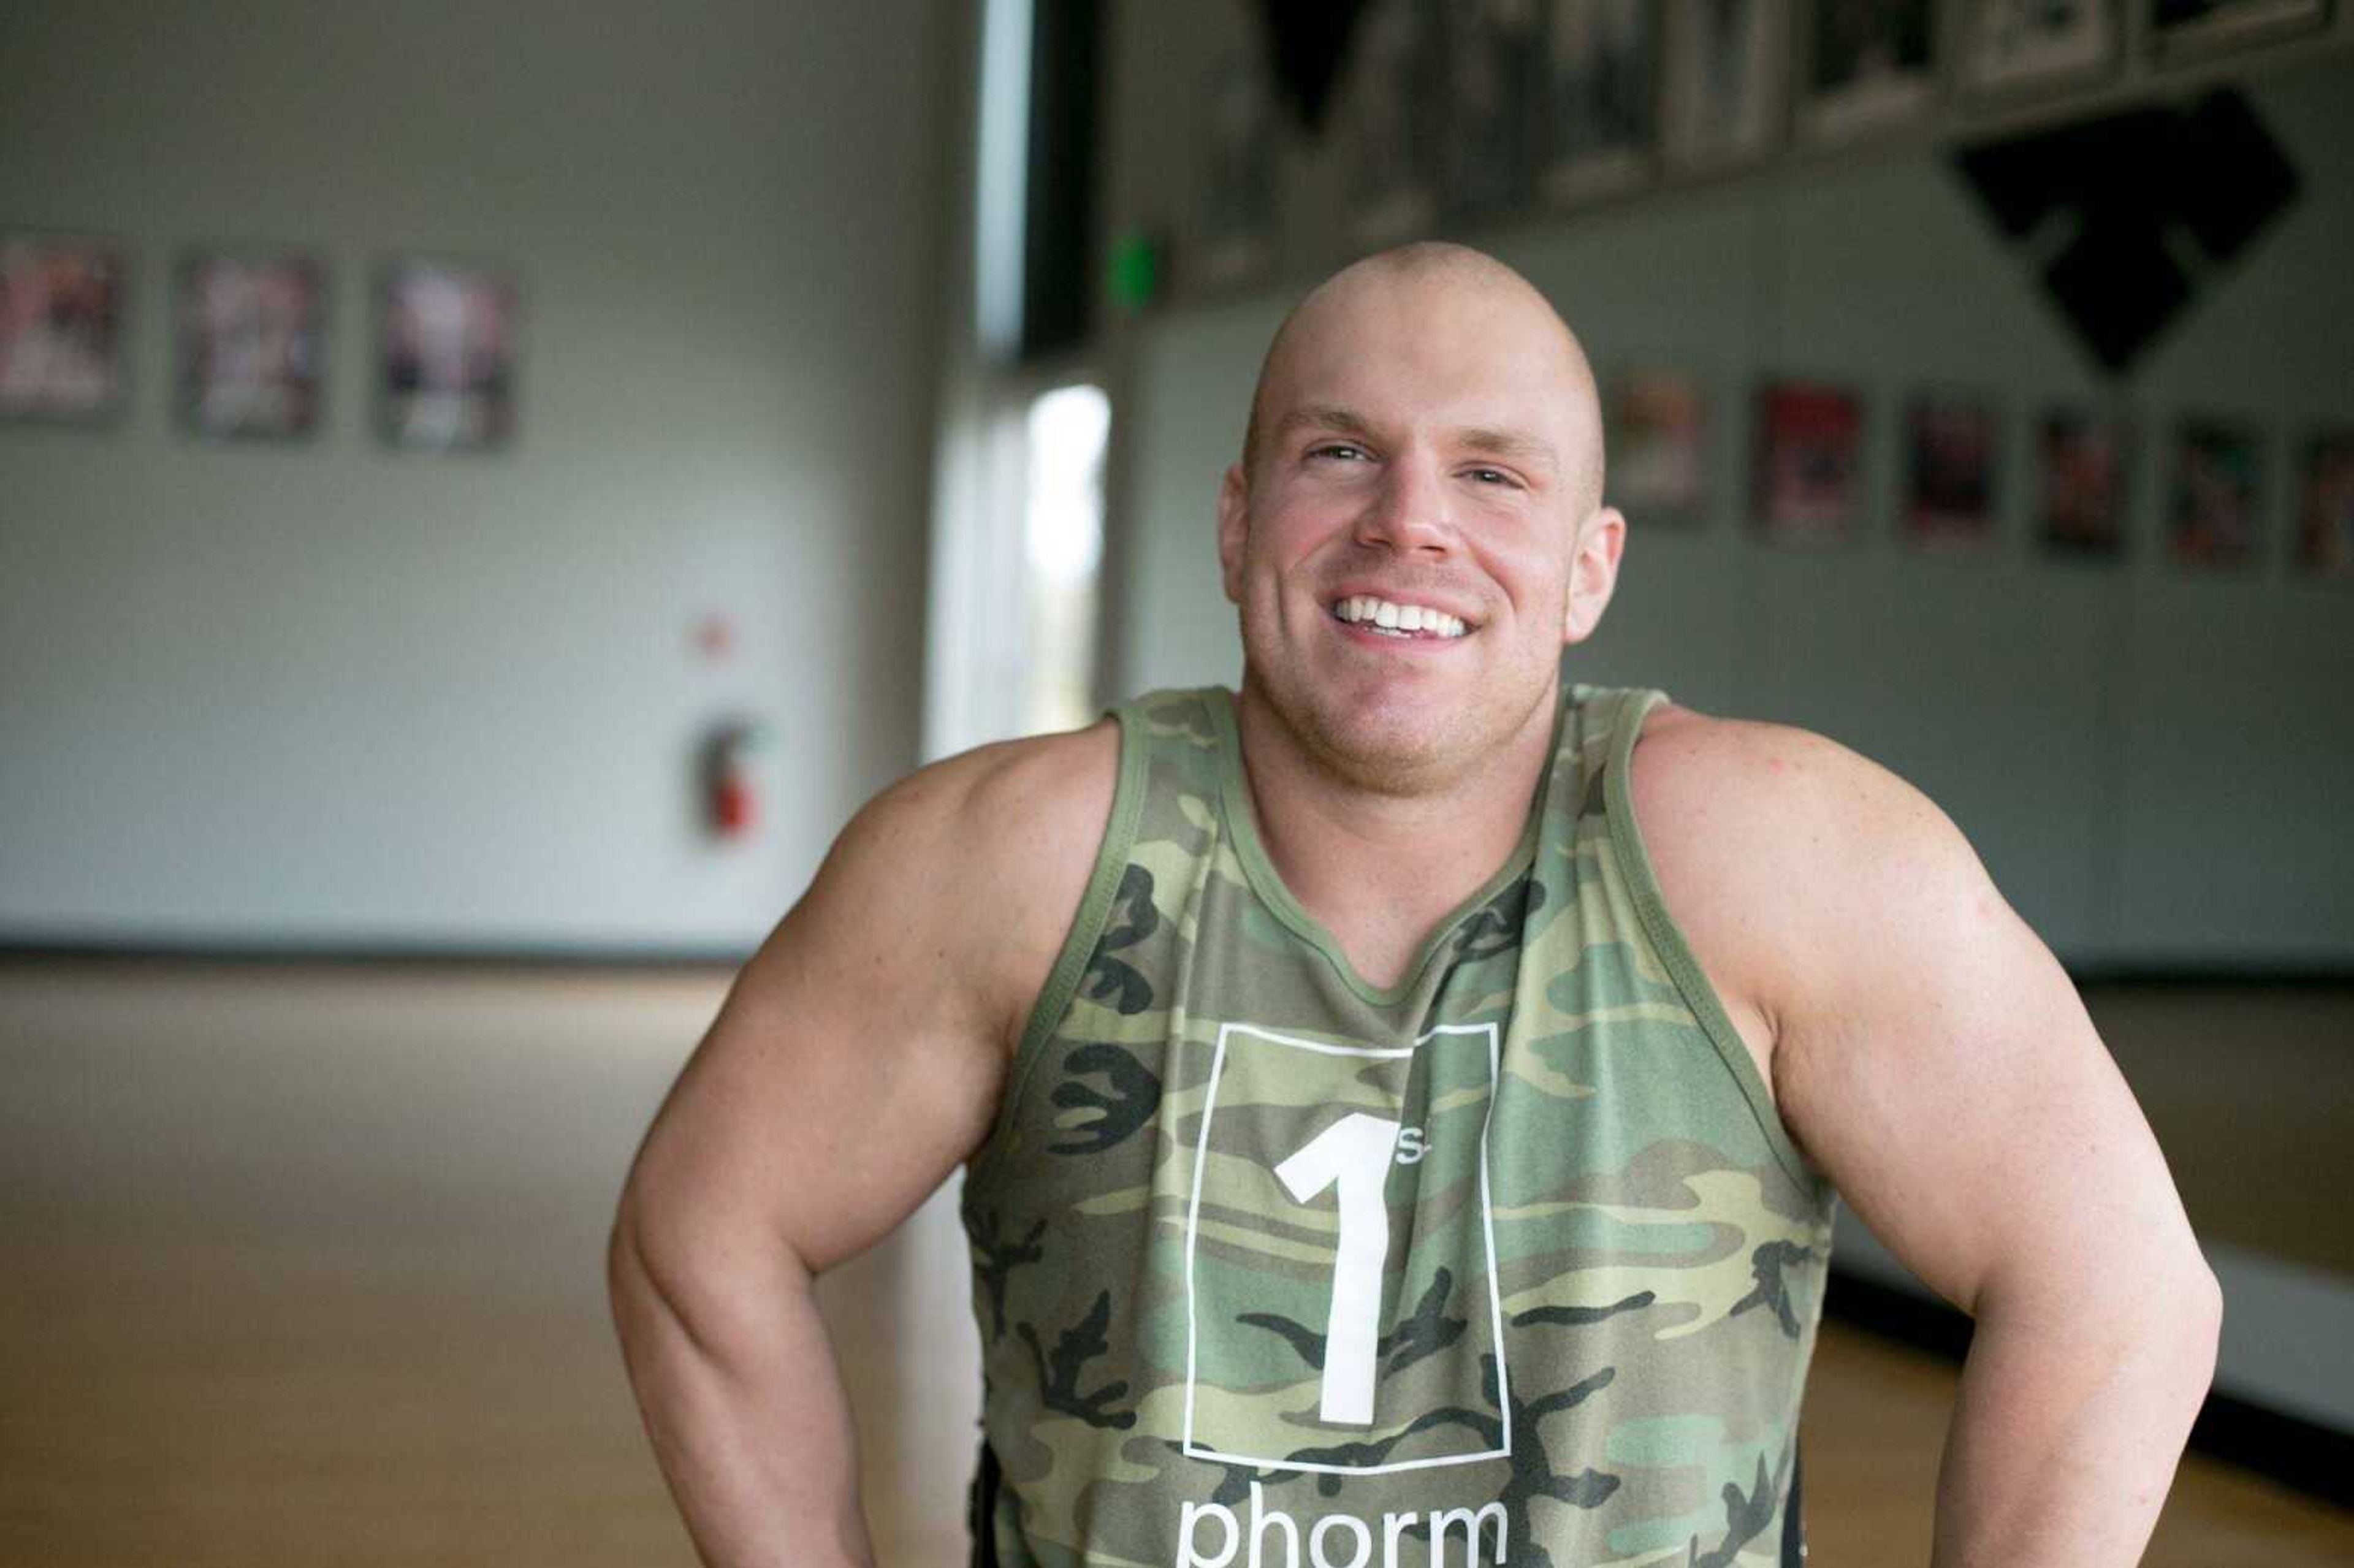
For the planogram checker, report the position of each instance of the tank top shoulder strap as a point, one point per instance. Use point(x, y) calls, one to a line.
point(1168, 772)
point(1609, 722)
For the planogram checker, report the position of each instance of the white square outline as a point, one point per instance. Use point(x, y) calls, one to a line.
point(1486, 1231)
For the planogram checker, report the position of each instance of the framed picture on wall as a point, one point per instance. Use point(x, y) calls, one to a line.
point(1721, 81)
point(1491, 51)
point(1659, 448)
point(2183, 28)
point(1950, 442)
point(2081, 464)
point(1599, 97)
point(2325, 506)
point(1233, 240)
point(446, 370)
point(1809, 466)
point(2023, 45)
point(252, 333)
point(1394, 118)
point(1867, 64)
point(2218, 466)
point(63, 298)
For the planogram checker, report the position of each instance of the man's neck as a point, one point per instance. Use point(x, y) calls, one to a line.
point(1379, 869)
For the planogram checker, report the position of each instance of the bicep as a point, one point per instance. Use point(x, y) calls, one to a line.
point(852, 1065)
point(1939, 1067)
point(861, 1055)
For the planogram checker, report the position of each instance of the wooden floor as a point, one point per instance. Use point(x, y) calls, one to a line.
point(302, 1267)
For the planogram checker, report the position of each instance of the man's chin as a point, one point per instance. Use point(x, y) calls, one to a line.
point(1392, 750)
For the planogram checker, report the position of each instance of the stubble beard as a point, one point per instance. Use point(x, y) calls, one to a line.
point(1395, 755)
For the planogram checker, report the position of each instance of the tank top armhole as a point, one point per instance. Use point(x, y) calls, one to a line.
point(1078, 946)
point(1668, 943)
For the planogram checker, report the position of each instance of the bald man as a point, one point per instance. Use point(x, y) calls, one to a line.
point(1401, 1100)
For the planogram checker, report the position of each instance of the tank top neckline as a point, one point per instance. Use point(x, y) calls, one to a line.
point(1240, 812)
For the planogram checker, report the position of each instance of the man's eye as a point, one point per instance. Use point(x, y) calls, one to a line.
point(1493, 476)
point(1337, 450)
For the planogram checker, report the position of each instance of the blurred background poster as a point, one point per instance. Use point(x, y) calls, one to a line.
point(2325, 509)
point(1492, 54)
point(1395, 114)
point(61, 306)
point(1723, 82)
point(1234, 228)
point(1599, 97)
point(2218, 465)
point(1810, 451)
point(2081, 461)
point(1868, 66)
point(2193, 26)
point(252, 333)
point(448, 356)
point(1950, 440)
point(2020, 44)
point(1659, 448)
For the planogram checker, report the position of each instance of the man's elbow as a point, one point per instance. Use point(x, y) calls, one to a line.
point(2154, 1318)
point(629, 1283)
point(2177, 1333)
point(652, 1286)
point(686, 1274)
point(2203, 1314)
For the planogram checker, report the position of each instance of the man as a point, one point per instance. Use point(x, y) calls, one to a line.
point(1383, 1149)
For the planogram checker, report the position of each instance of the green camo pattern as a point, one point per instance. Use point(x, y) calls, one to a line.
point(1599, 1256)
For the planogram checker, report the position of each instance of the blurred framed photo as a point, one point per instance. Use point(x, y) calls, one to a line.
point(1233, 205)
point(1950, 442)
point(2325, 507)
point(1600, 97)
point(253, 336)
point(1659, 448)
point(2023, 45)
point(63, 298)
point(2183, 28)
point(1868, 65)
point(1394, 119)
point(1722, 81)
point(2218, 467)
point(2081, 463)
point(1809, 464)
point(1491, 53)
point(447, 364)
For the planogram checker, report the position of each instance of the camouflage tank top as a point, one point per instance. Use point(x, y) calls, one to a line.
point(1510, 1263)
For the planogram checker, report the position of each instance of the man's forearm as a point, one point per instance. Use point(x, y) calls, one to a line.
point(2070, 1420)
point(745, 1405)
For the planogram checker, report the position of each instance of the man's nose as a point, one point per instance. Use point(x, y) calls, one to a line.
point(1411, 509)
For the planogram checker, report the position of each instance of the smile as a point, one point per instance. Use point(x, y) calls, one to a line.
point(1384, 616)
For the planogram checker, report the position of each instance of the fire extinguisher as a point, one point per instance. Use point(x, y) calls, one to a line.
point(730, 801)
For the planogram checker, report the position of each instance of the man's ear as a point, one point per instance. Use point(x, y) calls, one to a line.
point(1234, 527)
point(1594, 572)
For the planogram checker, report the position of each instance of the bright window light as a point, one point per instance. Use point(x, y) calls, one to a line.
point(1068, 429)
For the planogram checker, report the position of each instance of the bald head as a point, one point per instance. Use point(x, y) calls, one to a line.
point(1422, 281)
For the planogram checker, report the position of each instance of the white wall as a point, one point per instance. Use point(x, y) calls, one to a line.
point(339, 694)
point(2152, 764)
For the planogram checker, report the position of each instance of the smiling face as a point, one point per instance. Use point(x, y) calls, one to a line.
point(1414, 532)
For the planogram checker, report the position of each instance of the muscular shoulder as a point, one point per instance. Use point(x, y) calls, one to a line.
point(1790, 860)
point(971, 868)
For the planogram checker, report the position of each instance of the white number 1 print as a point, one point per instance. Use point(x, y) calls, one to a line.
point(1355, 1152)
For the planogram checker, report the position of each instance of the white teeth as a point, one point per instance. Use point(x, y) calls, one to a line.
point(1404, 620)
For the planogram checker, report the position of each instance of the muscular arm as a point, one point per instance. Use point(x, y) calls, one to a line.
point(1933, 1060)
point(858, 1058)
